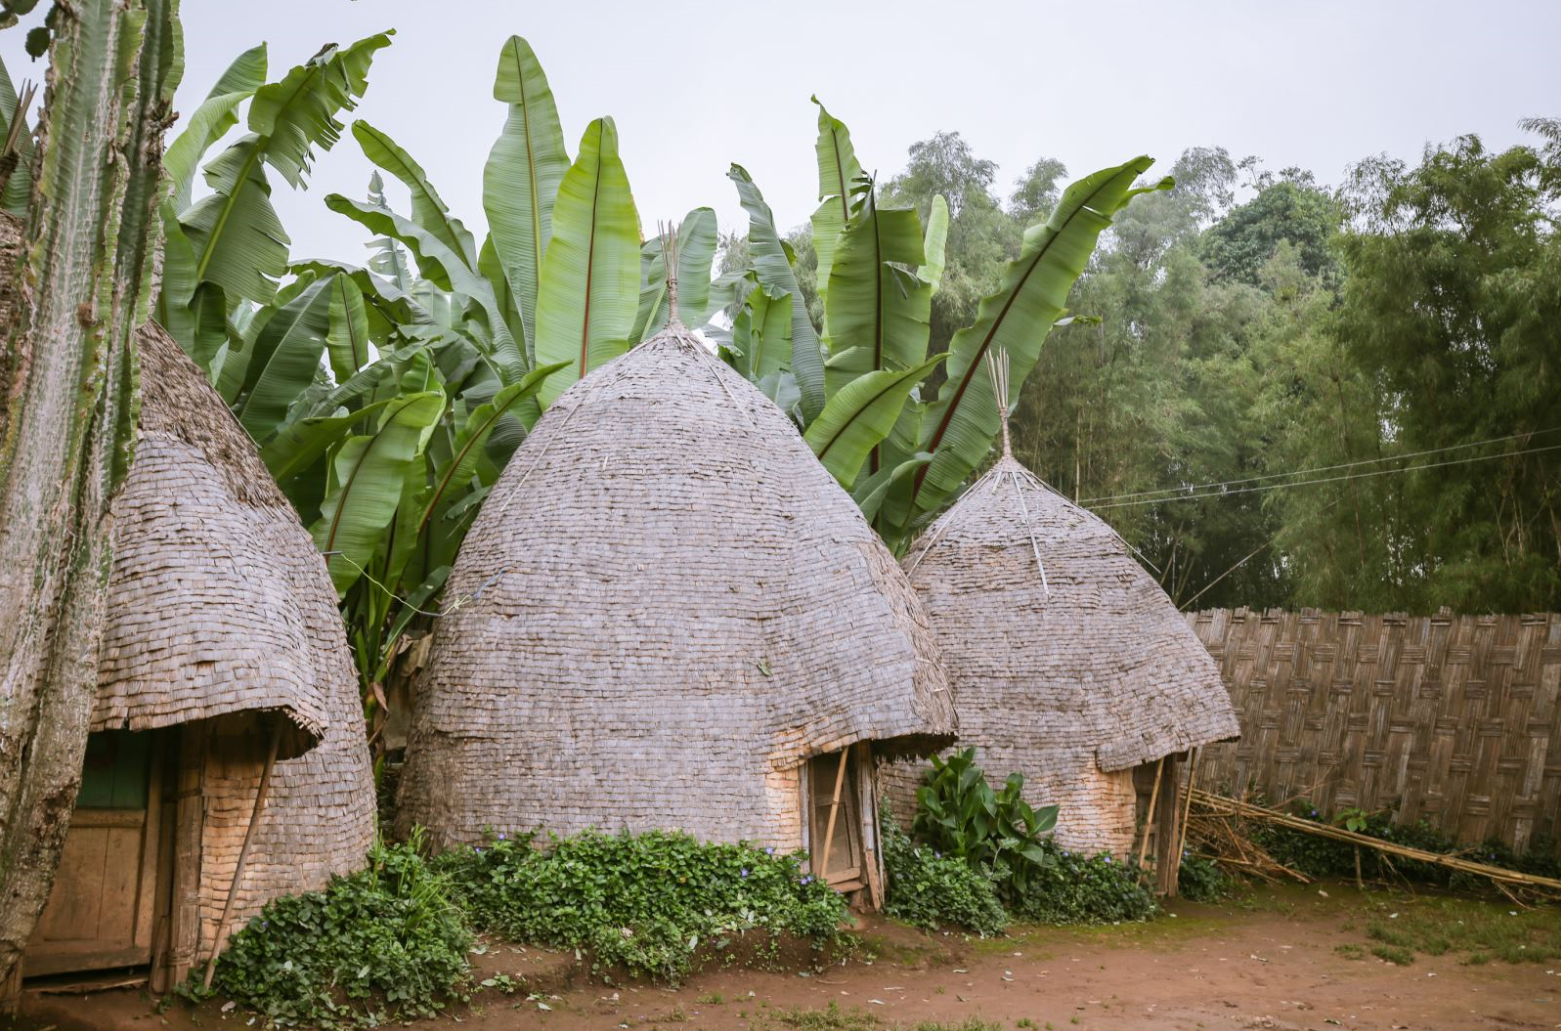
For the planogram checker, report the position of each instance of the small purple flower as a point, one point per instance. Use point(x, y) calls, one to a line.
point(770, 851)
point(936, 854)
point(501, 836)
point(745, 871)
point(264, 924)
point(1108, 859)
point(808, 879)
point(1314, 814)
point(478, 850)
point(1065, 853)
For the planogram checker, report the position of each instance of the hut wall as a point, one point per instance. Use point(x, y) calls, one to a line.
point(318, 820)
point(1450, 719)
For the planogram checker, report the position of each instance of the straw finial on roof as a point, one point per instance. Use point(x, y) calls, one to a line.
point(997, 367)
point(669, 261)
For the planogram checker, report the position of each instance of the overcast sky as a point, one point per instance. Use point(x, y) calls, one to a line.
point(694, 87)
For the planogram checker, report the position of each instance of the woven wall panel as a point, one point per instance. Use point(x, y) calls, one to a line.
point(1453, 719)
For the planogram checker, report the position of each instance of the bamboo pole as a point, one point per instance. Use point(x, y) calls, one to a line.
point(1234, 807)
point(834, 813)
point(243, 852)
point(1192, 780)
point(1154, 797)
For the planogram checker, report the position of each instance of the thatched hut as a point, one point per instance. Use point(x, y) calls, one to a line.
point(1068, 662)
point(225, 679)
point(668, 615)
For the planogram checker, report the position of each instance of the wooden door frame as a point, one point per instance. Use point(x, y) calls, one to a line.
point(860, 796)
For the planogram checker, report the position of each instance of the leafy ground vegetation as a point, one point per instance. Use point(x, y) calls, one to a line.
point(391, 942)
point(977, 858)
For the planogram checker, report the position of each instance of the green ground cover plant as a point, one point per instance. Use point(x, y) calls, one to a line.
point(649, 903)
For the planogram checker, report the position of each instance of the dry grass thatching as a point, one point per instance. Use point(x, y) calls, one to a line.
point(665, 607)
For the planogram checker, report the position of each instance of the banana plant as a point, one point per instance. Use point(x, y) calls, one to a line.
point(856, 386)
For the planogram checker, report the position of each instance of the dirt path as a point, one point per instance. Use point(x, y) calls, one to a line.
point(1272, 965)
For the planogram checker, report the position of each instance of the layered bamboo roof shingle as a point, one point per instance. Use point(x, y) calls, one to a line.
point(665, 607)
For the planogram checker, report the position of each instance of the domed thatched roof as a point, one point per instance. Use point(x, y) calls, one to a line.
point(665, 607)
point(216, 603)
point(1090, 663)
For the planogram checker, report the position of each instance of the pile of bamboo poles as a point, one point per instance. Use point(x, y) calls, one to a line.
point(1220, 810)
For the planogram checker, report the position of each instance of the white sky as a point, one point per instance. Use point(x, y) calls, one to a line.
point(696, 86)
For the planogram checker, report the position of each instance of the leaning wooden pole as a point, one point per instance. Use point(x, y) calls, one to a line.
point(243, 852)
point(834, 813)
point(1154, 797)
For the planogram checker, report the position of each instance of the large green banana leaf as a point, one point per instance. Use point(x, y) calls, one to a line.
point(697, 242)
point(838, 169)
point(428, 208)
point(284, 359)
point(238, 240)
point(347, 341)
point(444, 268)
point(211, 121)
point(860, 416)
point(590, 286)
point(876, 315)
point(960, 426)
point(452, 477)
point(521, 179)
point(770, 261)
point(936, 243)
point(761, 335)
point(869, 492)
point(367, 477)
point(301, 442)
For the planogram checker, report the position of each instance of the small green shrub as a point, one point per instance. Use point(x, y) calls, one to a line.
point(1074, 888)
point(647, 902)
point(931, 890)
point(1202, 880)
point(385, 943)
point(997, 832)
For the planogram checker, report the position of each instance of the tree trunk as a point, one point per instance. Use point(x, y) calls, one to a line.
point(71, 306)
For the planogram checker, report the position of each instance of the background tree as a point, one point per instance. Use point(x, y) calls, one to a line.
point(69, 383)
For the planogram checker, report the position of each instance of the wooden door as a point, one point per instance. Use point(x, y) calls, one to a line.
point(99, 913)
point(835, 820)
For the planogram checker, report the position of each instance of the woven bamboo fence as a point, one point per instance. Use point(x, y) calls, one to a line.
point(1450, 719)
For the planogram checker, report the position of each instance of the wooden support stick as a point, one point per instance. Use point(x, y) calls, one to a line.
point(834, 812)
point(1154, 796)
point(1192, 778)
point(243, 852)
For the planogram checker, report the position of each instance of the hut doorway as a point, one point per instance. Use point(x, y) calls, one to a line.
point(99, 913)
point(835, 820)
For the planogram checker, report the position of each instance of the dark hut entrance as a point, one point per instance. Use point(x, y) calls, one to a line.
point(835, 820)
point(100, 911)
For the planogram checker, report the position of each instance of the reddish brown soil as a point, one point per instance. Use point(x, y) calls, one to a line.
point(1273, 966)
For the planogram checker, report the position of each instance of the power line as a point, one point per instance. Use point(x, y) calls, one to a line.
point(1327, 479)
point(1194, 487)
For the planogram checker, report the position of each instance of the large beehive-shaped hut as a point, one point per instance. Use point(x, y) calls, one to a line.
point(668, 615)
point(1068, 662)
point(223, 647)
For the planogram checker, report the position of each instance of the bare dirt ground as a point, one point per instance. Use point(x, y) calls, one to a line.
point(1288, 958)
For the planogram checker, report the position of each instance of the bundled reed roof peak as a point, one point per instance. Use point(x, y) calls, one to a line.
point(665, 607)
point(1042, 613)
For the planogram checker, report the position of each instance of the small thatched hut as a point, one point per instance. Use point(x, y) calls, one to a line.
point(223, 660)
point(1068, 662)
point(668, 615)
